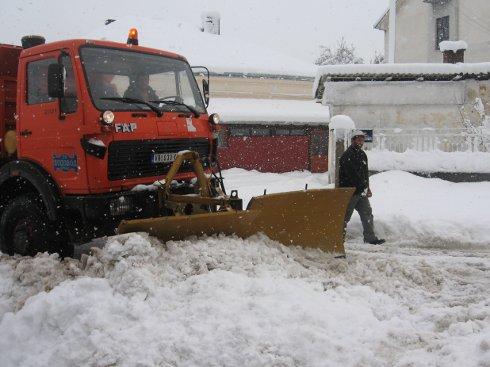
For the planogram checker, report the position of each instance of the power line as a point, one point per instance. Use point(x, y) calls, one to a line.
point(473, 20)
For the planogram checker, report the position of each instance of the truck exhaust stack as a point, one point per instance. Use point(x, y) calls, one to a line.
point(32, 41)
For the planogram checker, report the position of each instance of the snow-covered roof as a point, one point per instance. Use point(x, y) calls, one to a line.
point(222, 54)
point(271, 111)
point(377, 25)
point(342, 122)
point(406, 69)
point(397, 72)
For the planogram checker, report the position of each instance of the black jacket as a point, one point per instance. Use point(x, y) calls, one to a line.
point(353, 170)
point(147, 94)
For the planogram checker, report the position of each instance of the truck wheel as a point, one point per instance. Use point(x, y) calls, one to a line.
point(26, 230)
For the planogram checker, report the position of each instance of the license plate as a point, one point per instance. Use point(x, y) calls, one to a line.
point(163, 157)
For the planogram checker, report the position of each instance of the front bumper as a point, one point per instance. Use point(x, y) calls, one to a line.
point(90, 216)
point(120, 205)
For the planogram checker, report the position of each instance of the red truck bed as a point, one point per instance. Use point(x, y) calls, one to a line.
point(9, 60)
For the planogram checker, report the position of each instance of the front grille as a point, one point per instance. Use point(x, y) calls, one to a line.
point(130, 159)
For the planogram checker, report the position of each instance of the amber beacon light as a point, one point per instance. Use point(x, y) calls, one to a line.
point(133, 37)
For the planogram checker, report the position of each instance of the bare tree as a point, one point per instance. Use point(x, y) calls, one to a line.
point(342, 54)
point(379, 58)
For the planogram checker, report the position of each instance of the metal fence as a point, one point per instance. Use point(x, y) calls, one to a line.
point(425, 140)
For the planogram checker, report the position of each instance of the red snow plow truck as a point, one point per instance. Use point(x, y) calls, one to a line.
point(101, 136)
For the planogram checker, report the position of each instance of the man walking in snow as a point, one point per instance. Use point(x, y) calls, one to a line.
point(354, 173)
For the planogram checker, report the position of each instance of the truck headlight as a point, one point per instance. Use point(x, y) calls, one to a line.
point(120, 206)
point(214, 119)
point(108, 117)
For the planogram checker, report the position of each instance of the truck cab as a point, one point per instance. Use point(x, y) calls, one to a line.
point(94, 120)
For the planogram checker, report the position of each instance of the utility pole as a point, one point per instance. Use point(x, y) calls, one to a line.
point(392, 34)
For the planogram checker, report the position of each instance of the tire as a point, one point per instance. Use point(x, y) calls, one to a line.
point(26, 230)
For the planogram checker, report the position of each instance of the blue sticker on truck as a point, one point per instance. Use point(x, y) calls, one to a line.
point(65, 162)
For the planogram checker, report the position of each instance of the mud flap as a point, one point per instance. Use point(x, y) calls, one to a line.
point(313, 218)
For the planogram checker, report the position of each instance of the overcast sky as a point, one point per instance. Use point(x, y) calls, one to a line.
point(292, 27)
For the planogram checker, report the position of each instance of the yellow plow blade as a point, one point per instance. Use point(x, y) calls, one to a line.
point(313, 218)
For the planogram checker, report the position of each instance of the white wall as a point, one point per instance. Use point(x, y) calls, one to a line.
point(413, 26)
point(406, 104)
point(474, 28)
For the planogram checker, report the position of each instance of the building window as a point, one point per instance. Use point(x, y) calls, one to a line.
point(282, 132)
point(297, 132)
point(442, 30)
point(261, 131)
point(239, 131)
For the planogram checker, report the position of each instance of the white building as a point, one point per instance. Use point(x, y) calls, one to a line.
point(422, 24)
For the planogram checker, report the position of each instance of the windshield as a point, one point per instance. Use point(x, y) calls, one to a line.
point(113, 73)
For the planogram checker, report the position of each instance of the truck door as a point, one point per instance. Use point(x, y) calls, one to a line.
point(49, 129)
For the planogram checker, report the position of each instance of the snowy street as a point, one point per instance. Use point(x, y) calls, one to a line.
point(423, 299)
point(408, 209)
point(131, 136)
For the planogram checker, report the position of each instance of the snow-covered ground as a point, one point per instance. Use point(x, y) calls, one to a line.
point(407, 208)
point(423, 299)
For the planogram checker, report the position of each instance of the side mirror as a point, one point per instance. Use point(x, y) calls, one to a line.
point(202, 72)
point(55, 81)
point(205, 90)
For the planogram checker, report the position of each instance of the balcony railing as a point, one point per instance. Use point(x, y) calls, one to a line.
point(424, 140)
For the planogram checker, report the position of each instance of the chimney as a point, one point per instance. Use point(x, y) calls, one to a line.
point(453, 51)
point(211, 22)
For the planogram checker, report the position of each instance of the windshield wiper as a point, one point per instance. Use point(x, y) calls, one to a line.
point(154, 108)
point(176, 103)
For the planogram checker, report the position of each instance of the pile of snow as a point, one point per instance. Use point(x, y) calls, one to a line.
point(436, 161)
point(221, 53)
point(453, 46)
point(429, 212)
point(234, 302)
point(269, 110)
point(342, 122)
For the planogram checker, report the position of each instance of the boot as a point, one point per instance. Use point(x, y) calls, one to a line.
point(376, 241)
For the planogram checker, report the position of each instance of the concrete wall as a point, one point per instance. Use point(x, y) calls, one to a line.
point(413, 104)
point(261, 88)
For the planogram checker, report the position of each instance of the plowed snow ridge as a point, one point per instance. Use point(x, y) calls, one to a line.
point(227, 301)
point(224, 301)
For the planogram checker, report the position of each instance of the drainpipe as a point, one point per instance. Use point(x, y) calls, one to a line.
point(392, 34)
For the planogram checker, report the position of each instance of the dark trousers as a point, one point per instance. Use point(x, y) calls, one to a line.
point(363, 207)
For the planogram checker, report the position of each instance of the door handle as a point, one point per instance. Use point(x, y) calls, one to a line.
point(25, 133)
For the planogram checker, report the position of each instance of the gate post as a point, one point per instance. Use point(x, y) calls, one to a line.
point(339, 134)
